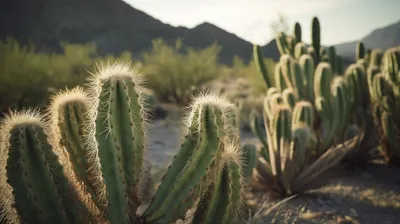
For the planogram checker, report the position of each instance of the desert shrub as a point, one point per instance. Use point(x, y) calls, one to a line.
point(175, 74)
point(27, 77)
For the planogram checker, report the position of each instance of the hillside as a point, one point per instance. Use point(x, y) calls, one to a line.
point(384, 38)
point(114, 26)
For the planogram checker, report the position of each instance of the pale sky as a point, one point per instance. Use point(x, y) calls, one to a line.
point(341, 20)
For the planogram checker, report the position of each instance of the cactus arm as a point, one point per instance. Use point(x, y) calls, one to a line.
point(203, 156)
point(256, 129)
point(298, 81)
point(297, 32)
point(316, 39)
point(280, 82)
point(307, 67)
point(289, 97)
point(110, 156)
point(44, 192)
point(250, 159)
point(322, 82)
point(259, 60)
point(221, 203)
point(360, 51)
point(69, 114)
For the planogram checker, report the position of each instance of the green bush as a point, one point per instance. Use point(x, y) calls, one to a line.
point(174, 73)
point(175, 76)
point(28, 77)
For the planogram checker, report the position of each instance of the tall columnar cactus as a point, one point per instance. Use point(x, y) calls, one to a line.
point(117, 134)
point(375, 57)
point(308, 70)
point(391, 67)
point(331, 103)
point(33, 181)
point(297, 32)
point(300, 49)
point(385, 95)
point(259, 59)
point(339, 65)
point(357, 82)
point(316, 38)
point(250, 159)
point(360, 51)
point(220, 203)
point(292, 166)
point(100, 137)
point(69, 114)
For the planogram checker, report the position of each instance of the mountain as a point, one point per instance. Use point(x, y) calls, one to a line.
point(113, 25)
point(384, 38)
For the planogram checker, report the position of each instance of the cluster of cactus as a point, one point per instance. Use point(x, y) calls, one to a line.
point(315, 115)
point(292, 45)
point(305, 120)
point(384, 87)
point(84, 162)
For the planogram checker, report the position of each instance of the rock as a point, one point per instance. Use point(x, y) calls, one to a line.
point(159, 112)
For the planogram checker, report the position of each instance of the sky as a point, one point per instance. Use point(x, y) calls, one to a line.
point(341, 20)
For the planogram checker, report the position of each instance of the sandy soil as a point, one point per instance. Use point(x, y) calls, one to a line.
point(370, 195)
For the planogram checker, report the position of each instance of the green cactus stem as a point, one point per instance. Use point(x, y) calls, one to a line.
point(118, 134)
point(316, 39)
point(259, 60)
point(41, 191)
point(196, 160)
point(297, 32)
point(360, 50)
point(222, 202)
point(69, 113)
point(308, 70)
point(249, 159)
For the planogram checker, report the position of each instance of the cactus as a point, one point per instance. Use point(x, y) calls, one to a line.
point(360, 51)
point(221, 203)
point(339, 65)
point(303, 112)
point(250, 159)
point(375, 57)
point(297, 32)
point(261, 66)
point(292, 143)
point(69, 113)
point(33, 175)
point(325, 101)
point(98, 139)
point(385, 102)
point(316, 39)
point(300, 49)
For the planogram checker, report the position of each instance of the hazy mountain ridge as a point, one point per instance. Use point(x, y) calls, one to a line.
point(384, 38)
point(114, 26)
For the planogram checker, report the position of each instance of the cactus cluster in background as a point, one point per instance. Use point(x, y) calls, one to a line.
point(384, 88)
point(318, 113)
point(85, 162)
point(305, 119)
